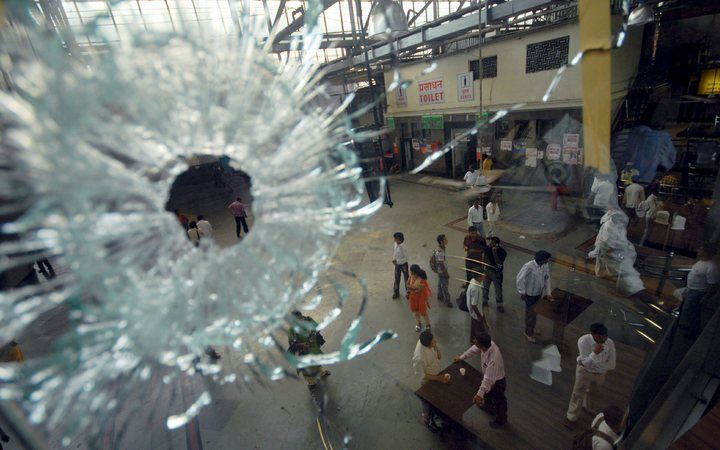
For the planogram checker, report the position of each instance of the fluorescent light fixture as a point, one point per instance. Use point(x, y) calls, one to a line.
point(641, 15)
point(387, 19)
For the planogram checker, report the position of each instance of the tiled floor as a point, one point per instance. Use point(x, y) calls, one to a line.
point(371, 399)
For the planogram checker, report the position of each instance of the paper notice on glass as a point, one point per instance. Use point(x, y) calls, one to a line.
point(552, 152)
point(487, 150)
point(531, 157)
point(571, 140)
point(541, 155)
point(506, 146)
point(580, 156)
point(678, 222)
point(569, 155)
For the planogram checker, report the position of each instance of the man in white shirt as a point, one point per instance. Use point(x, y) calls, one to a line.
point(426, 362)
point(475, 217)
point(634, 194)
point(478, 324)
point(596, 357)
point(204, 227)
point(194, 234)
point(702, 282)
point(533, 282)
point(648, 209)
point(470, 176)
point(400, 261)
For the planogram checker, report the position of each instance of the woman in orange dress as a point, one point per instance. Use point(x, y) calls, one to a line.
point(419, 294)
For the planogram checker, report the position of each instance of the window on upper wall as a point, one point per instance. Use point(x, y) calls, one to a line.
point(547, 55)
point(489, 67)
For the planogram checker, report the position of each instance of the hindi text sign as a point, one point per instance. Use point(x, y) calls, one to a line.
point(431, 91)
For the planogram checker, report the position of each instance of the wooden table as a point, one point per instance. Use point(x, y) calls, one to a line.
point(456, 397)
point(565, 308)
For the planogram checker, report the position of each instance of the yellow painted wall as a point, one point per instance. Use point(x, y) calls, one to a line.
point(512, 85)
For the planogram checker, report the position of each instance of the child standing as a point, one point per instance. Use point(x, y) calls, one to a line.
point(419, 294)
point(438, 264)
point(400, 261)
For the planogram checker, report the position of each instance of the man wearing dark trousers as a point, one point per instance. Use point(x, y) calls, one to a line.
point(533, 282)
point(400, 261)
point(490, 396)
point(495, 257)
point(475, 248)
point(237, 208)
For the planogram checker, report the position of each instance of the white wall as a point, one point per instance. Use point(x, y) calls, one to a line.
point(512, 85)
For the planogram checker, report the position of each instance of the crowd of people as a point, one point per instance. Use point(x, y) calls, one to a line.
point(199, 229)
point(484, 263)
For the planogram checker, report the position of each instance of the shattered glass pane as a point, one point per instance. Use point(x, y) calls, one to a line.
point(105, 106)
point(92, 144)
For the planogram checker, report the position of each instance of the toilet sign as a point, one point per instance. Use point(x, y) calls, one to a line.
point(465, 88)
point(431, 91)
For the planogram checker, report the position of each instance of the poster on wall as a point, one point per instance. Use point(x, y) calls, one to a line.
point(570, 155)
point(400, 96)
point(531, 157)
point(571, 140)
point(541, 155)
point(465, 88)
point(580, 156)
point(506, 146)
point(552, 152)
point(431, 91)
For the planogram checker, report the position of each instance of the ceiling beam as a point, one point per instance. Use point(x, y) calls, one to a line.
point(285, 46)
point(422, 10)
point(450, 26)
point(299, 22)
point(279, 13)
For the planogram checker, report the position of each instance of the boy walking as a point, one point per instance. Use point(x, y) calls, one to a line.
point(438, 264)
point(400, 261)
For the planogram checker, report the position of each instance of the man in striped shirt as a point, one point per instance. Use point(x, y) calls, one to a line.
point(490, 396)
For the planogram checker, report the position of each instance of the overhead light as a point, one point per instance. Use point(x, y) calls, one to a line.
point(641, 15)
point(387, 19)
